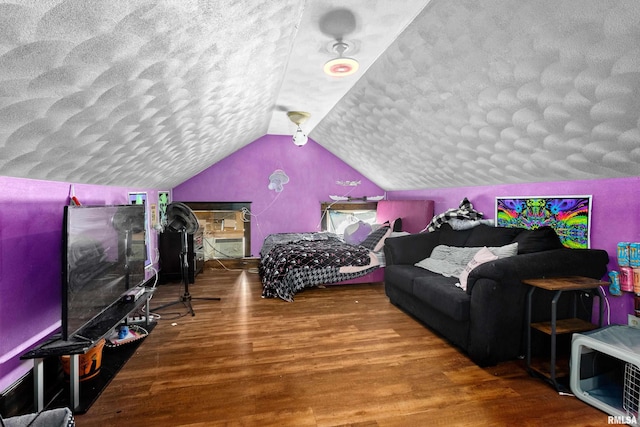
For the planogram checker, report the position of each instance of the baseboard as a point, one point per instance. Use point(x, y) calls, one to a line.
point(18, 398)
point(233, 263)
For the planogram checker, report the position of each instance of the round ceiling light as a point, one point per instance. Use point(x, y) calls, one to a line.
point(341, 67)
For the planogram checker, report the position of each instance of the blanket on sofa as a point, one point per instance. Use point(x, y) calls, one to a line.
point(465, 212)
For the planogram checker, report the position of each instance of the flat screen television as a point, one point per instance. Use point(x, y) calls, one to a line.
point(103, 257)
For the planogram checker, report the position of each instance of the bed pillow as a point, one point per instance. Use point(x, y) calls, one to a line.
point(395, 225)
point(482, 256)
point(356, 233)
point(486, 235)
point(375, 240)
point(380, 245)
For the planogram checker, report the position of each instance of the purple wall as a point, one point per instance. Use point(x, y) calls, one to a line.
point(244, 177)
point(615, 213)
point(31, 215)
point(31, 223)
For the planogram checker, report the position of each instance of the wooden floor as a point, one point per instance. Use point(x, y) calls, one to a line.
point(341, 355)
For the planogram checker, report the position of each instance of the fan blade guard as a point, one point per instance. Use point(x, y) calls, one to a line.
point(180, 218)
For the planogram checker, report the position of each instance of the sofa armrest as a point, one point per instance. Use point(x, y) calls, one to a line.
point(498, 297)
point(409, 249)
point(557, 262)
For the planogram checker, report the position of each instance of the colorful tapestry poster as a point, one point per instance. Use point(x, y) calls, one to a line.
point(569, 216)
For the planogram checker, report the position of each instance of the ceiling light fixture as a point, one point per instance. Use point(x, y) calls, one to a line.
point(299, 117)
point(341, 66)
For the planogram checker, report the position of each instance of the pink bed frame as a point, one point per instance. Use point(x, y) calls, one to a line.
point(415, 215)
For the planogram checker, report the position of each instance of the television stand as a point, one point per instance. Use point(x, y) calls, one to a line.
point(92, 333)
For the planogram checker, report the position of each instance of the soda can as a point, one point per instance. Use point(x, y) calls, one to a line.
point(634, 255)
point(636, 280)
point(614, 287)
point(626, 279)
point(623, 254)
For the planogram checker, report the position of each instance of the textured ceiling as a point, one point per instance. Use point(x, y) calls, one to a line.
point(498, 91)
point(149, 93)
point(141, 93)
point(450, 93)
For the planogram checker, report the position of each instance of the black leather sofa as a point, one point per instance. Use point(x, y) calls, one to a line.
point(487, 320)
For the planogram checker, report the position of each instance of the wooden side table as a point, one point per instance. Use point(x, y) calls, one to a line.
point(556, 326)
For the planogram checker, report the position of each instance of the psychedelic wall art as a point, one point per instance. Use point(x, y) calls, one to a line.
point(570, 216)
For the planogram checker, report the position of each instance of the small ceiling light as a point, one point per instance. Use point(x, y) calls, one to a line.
point(341, 66)
point(299, 117)
point(299, 137)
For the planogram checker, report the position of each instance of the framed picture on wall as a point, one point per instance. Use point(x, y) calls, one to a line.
point(569, 216)
point(164, 198)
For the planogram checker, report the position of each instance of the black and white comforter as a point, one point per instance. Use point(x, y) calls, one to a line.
point(280, 238)
point(290, 267)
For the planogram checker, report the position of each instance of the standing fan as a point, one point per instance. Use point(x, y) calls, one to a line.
point(181, 219)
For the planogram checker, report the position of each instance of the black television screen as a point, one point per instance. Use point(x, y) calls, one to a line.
point(103, 256)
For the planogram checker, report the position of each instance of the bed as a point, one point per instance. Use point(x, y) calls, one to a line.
point(292, 262)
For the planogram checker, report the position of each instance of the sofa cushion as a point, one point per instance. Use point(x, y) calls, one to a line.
point(450, 237)
point(442, 294)
point(401, 276)
point(486, 235)
point(409, 249)
point(538, 240)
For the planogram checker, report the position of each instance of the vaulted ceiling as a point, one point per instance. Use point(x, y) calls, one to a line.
point(449, 93)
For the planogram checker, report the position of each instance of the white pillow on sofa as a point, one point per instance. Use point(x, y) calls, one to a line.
point(505, 251)
point(448, 260)
point(482, 256)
